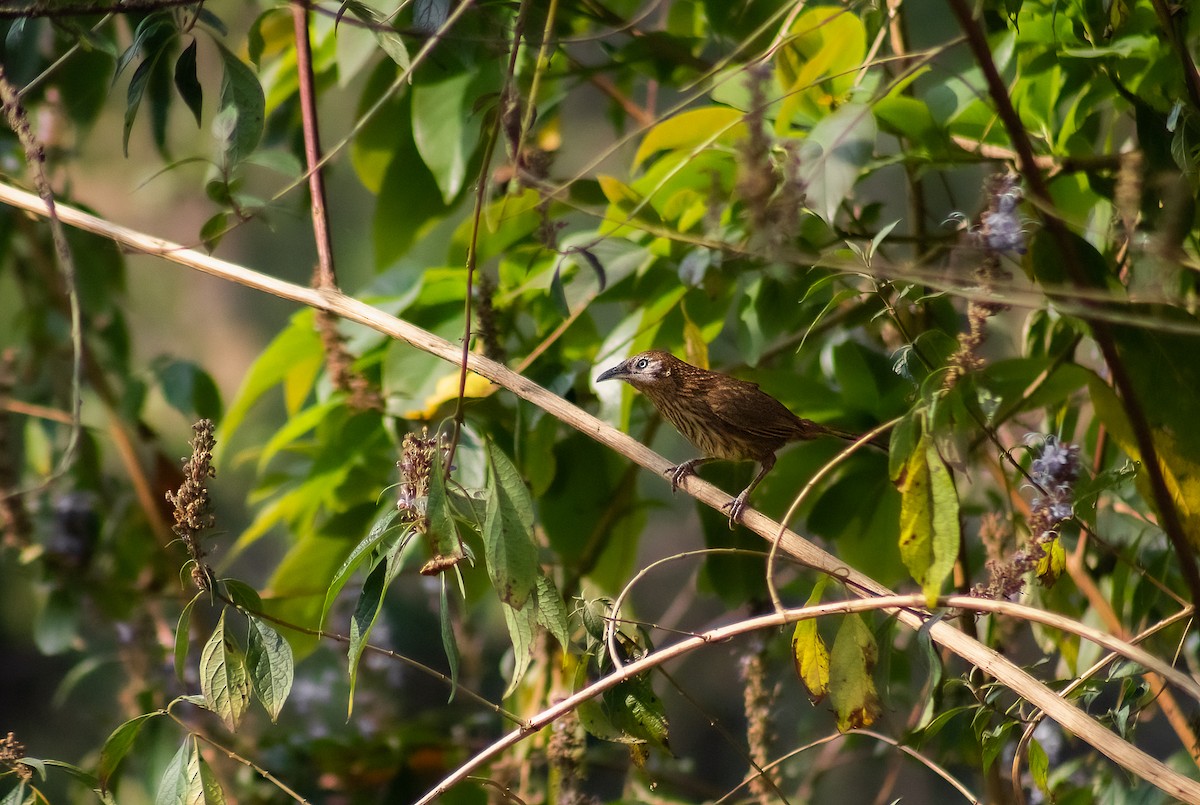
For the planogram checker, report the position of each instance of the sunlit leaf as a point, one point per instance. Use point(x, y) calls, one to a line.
point(691, 130)
point(509, 550)
point(809, 651)
point(223, 678)
point(851, 683)
point(271, 664)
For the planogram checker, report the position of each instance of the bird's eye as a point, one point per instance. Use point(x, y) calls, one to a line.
point(642, 364)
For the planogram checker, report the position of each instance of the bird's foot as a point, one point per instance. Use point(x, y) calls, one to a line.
point(681, 471)
point(737, 508)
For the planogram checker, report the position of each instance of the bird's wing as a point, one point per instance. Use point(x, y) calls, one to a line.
point(742, 405)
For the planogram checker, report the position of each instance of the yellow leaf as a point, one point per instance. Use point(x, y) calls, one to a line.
point(851, 685)
point(1051, 566)
point(929, 527)
point(809, 651)
point(817, 66)
point(692, 129)
point(446, 390)
point(616, 191)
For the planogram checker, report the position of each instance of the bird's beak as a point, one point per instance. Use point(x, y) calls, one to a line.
point(618, 372)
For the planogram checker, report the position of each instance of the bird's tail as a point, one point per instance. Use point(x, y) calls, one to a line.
point(880, 441)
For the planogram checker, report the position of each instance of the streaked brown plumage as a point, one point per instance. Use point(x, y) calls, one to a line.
point(726, 418)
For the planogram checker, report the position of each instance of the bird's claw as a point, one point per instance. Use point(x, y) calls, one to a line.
point(679, 472)
point(737, 507)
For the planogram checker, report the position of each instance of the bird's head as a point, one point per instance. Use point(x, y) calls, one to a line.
point(651, 370)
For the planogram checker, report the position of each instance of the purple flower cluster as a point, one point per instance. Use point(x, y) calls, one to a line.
point(1054, 470)
point(1000, 227)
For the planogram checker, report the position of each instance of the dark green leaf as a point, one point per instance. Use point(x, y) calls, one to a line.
point(442, 535)
point(186, 81)
point(133, 97)
point(370, 602)
point(159, 95)
point(213, 230)
point(189, 389)
point(118, 744)
point(243, 595)
point(148, 29)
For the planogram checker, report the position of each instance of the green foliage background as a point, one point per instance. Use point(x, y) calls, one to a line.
point(962, 226)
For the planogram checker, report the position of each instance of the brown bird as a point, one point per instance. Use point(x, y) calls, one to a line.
point(727, 418)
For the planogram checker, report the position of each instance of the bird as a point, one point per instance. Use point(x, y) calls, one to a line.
point(726, 418)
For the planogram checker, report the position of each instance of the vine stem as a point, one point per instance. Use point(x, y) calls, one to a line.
point(1000, 668)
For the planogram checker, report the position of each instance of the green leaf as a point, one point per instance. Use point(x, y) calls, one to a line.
point(209, 786)
point(851, 686)
point(271, 664)
point(410, 198)
point(57, 626)
point(181, 783)
point(223, 677)
point(509, 548)
point(640, 712)
point(183, 635)
point(366, 613)
point(17, 795)
point(1158, 359)
point(520, 631)
point(1039, 767)
point(158, 23)
point(361, 552)
point(243, 595)
point(834, 154)
point(133, 96)
point(212, 230)
point(441, 130)
point(241, 95)
point(118, 744)
point(186, 81)
point(552, 611)
point(188, 389)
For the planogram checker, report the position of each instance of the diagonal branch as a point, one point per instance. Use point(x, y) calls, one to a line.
point(1000, 668)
